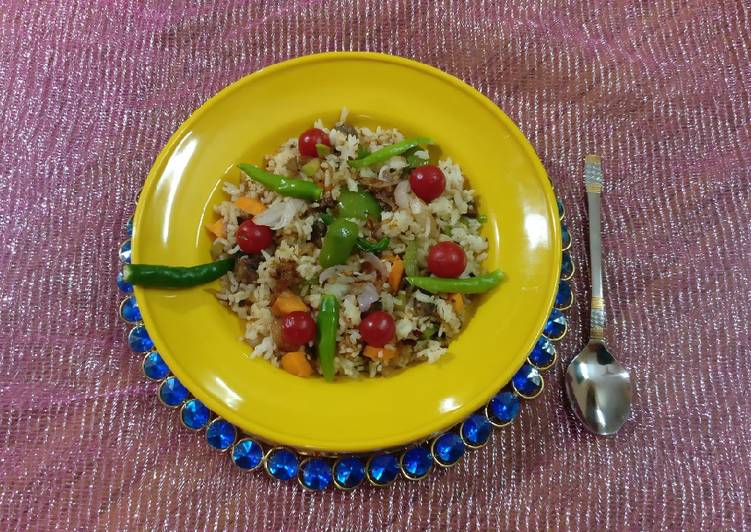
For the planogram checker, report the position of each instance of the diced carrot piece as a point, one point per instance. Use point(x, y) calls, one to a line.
point(457, 301)
point(384, 354)
point(250, 205)
point(395, 275)
point(218, 228)
point(296, 364)
point(287, 302)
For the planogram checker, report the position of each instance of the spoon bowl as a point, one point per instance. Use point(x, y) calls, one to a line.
point(599, 389)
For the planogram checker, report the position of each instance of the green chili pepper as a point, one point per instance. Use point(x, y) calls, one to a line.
point(386, 153)
point(328, 325)
point(366, 245)
point(311, 167)
point(413, 161)
point(362, 152)
point(429, 332)
point(338, 243)
point(295, 188)
point(410, 259)
point(470, 285)
point(359, 204)
point(176, 276)
point(327, 218)
point(322, 150)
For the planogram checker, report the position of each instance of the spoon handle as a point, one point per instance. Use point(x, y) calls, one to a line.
point(593, 182)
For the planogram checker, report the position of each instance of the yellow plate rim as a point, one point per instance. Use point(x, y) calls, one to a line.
point(448, 419)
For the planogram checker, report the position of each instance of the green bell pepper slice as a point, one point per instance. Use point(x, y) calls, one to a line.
point(359, 205)
point(340, 238)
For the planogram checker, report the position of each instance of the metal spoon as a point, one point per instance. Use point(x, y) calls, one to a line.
point(598, 387)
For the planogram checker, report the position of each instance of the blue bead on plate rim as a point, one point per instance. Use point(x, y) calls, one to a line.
point(129, 310)
point(154, 367)
point(567, 266)
point(247, 454)
point(556, 326)
point(565, 237)
point(124, 252)
point(565, 296)
point(315, 474)
point(475, 431)
point(139, 340)
point(172, 393)
point(129, 226)
point(194, 415)
point(125, 288)
point(382, 469)
point(543, 354)
point(349, 472)
point(416, 462)
point(447, 449)
point(528, 381)
point(503, 408)
point(281, 463)
point(221, 434)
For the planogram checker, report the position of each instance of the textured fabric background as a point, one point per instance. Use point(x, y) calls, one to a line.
point(88, 95)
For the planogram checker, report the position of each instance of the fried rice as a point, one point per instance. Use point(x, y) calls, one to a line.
point(425, 322)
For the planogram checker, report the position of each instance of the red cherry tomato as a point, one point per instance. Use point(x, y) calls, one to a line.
point(446, 259)
point(308, 140)
point(427, 182)
point(252, 238)
point(298, 328)
point(281, 343)
point(377, 328)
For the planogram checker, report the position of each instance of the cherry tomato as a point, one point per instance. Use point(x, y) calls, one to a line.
point(308, 140)
point(427, 182)
point(252, 238)
point(298, 328)
point(281, 343)
point(446, 259)
point(377, 328)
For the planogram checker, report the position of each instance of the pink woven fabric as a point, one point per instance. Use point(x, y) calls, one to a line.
point(88, 95)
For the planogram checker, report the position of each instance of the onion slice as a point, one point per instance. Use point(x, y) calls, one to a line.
point(280, 214)
point(367, 297)
point(328, 273)
point(376, 263)
point(401, 194)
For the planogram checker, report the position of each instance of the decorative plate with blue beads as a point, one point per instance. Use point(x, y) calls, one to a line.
point(349, 471)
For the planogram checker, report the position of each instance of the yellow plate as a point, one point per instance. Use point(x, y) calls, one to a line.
point(199, 338)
